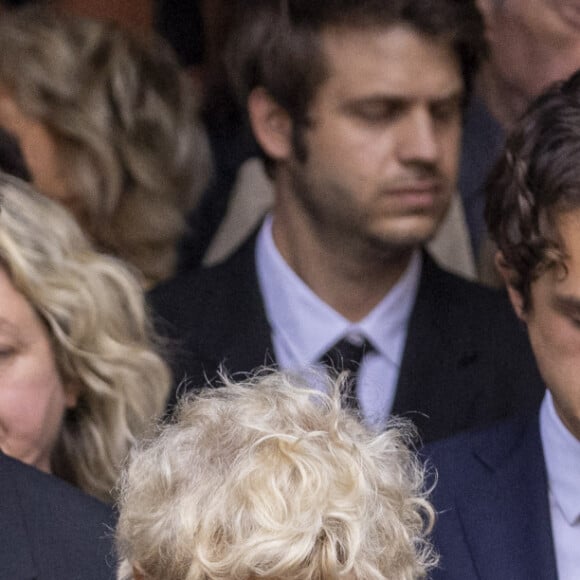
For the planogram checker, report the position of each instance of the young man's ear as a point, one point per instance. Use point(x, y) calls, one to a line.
point(271, 124)
point(507, 274)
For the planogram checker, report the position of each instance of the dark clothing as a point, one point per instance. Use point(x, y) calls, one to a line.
point(482, 142)
point(467, 361)
point(50, 530)
point(492, 499)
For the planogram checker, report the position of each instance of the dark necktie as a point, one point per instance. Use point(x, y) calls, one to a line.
point(347, 356)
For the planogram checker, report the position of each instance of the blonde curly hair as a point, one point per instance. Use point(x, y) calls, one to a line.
point(102, 340)
point(123, 116)
point(271, 479)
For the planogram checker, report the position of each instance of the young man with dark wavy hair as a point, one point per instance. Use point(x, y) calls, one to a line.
point(509, 496)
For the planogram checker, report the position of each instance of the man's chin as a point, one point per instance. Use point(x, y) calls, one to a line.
point(407, 238)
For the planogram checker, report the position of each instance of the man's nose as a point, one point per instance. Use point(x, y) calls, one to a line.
point(418, 141)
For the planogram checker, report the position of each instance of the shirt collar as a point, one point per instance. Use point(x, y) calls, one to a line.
point(311, 326)
point(562, 455)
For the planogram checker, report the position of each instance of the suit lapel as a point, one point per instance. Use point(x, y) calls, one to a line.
point(240, 331)
point(439, 352)
point(506, 516)
point(16, 561)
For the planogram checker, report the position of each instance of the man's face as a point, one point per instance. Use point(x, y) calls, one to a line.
point(533, 43)
point(382, 149)
point(553, 321)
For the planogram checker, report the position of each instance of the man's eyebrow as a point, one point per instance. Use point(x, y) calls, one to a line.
point(374, 102)
point(458, 96)
point(400, 100)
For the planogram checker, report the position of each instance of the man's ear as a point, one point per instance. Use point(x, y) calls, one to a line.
point(507, 275)
point(271, 124)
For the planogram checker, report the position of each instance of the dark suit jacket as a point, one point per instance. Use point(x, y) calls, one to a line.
point(50, 530)
point(492, 495)
point(467, 360)
point(481, 145)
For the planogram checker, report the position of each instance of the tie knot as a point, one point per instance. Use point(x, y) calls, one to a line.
point(345, 355)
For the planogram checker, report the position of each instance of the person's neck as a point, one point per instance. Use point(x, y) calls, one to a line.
point(350, 278)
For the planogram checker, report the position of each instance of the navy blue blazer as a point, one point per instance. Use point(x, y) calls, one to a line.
point(50, 530)
point(466, 363)
point(492, 498)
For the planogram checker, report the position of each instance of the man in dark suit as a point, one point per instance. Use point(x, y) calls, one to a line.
point(509, 496)
point(357, 105)
point(51, 530)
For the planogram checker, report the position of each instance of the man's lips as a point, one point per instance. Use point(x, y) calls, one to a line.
point(421, 193)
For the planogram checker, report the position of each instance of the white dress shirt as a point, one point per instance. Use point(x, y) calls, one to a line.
point(304, 327)
point(562, 455)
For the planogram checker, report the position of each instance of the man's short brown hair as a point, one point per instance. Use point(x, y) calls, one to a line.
point(276, 44)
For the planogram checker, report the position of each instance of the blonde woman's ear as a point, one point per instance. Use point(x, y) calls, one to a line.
point(72, 392)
